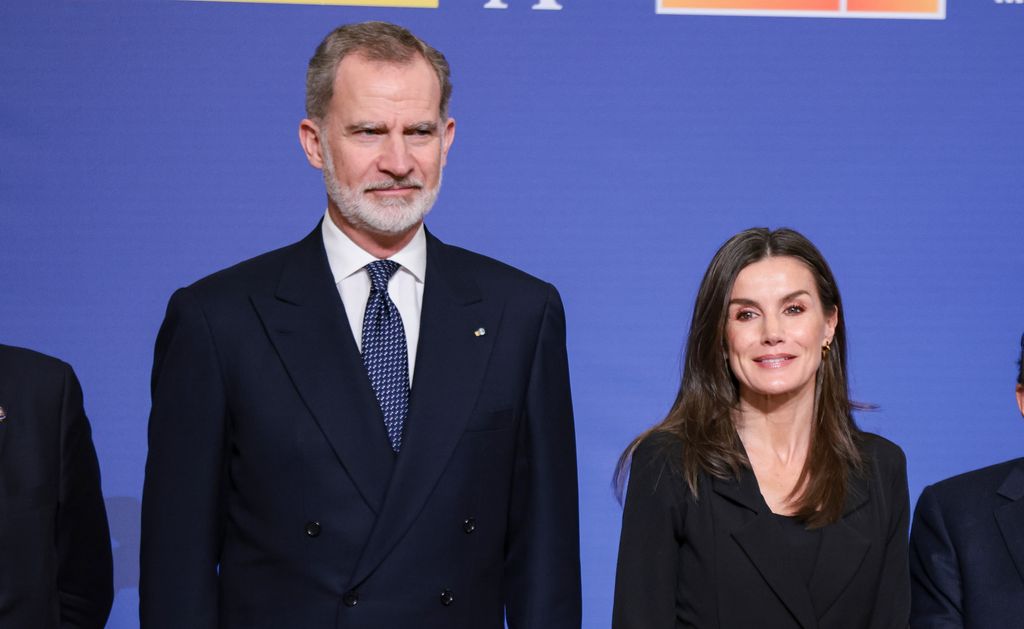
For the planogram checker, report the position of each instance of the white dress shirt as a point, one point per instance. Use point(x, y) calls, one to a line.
point(347, 260)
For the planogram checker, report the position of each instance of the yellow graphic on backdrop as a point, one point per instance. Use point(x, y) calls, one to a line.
point(921, 9)
point(408, 4)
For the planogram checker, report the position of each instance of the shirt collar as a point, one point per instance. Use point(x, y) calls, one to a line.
point(347, 258)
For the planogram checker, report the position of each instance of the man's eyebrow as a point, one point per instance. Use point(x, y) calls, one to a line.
point(366, 125)
point(426, 125)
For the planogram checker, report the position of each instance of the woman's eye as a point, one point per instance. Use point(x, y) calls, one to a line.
point(744, 315)
point(794, 309)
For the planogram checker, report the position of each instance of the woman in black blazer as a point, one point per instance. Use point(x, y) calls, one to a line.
point(757, 502)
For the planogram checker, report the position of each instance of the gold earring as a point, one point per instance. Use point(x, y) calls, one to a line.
point(826, 348)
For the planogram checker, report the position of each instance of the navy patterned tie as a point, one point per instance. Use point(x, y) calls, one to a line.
point(384, 351)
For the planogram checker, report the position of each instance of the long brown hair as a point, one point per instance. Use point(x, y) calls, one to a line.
point(701, 415)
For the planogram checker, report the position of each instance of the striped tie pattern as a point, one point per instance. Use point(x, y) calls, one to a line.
point(385, 355)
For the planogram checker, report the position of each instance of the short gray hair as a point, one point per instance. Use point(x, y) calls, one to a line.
point(376, 41)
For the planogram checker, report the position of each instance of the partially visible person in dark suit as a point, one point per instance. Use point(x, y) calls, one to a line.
point(757, 502)
point(55, 561)
point(967, 546)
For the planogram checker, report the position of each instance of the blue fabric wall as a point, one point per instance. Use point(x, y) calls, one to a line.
point(603, 147)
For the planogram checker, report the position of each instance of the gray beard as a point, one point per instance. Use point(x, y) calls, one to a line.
point(390, 217)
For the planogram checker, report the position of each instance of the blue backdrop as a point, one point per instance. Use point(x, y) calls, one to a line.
point(604, 147)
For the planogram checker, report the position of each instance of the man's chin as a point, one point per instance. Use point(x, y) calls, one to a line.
point(389, 217)
point(386, 221)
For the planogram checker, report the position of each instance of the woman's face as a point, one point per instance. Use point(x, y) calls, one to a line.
point(775, 329)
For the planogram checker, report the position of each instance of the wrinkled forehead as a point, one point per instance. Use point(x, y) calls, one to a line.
point(358, 78)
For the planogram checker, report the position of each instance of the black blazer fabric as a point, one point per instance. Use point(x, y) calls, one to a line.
point(721, 560)
point(967, 550)
point(273, 499)
point(55, 561)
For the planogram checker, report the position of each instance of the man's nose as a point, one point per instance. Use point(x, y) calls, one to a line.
point(395, 158)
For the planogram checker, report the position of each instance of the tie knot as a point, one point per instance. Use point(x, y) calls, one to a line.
point(380, 273)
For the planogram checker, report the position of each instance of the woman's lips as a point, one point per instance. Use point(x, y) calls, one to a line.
point(774, 361)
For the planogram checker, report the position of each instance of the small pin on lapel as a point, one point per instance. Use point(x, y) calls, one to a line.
point(479, 332)
point(3, 414)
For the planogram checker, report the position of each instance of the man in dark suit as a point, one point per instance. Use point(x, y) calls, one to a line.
point(368, 428)
point(967, 546)
point(55, 562)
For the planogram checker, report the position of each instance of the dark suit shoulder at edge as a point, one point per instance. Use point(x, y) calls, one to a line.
point(990, 476)
point(23, 358)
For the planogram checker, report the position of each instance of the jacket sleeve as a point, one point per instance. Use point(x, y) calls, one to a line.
point(182, 511)
point(542, 560)
point(892, 608)
point(646, 578)
point(934, 570)
point(85, 579)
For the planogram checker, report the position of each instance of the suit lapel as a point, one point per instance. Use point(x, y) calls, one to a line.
point(841, 551)
point(761, 541)
point(307, 325)
point(1010, 516)
point(450, 364)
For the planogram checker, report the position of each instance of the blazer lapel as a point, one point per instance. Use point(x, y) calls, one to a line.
point(450, 364)
point(841, 551)
point(307, 325)
point(1010, 516)
point(761, 541)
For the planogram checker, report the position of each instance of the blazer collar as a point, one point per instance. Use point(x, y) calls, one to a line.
point(1010, 515)
point(840, 552)
point(745, 492)
point(1013, 485)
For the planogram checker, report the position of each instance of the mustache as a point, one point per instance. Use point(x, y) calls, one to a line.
point(405, 182)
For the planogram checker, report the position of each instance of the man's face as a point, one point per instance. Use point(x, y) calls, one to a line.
point(382, 144)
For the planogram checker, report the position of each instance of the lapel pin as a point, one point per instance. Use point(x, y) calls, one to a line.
point(479, 332)
point(3, 414)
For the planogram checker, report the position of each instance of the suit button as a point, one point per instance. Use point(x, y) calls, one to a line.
point(312, 529)
point(469, 525)
point(447, 598)
point(351, 599)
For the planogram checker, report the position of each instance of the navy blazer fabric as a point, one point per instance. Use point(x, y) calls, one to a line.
point(55, 560)
point(720, 560)
point(967, 550)
point(273, 499)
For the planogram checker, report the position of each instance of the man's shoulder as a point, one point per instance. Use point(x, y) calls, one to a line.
point(979, 483)
point(247, 271)
point(254, 275)
point(490, 273)
point(21, 360)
